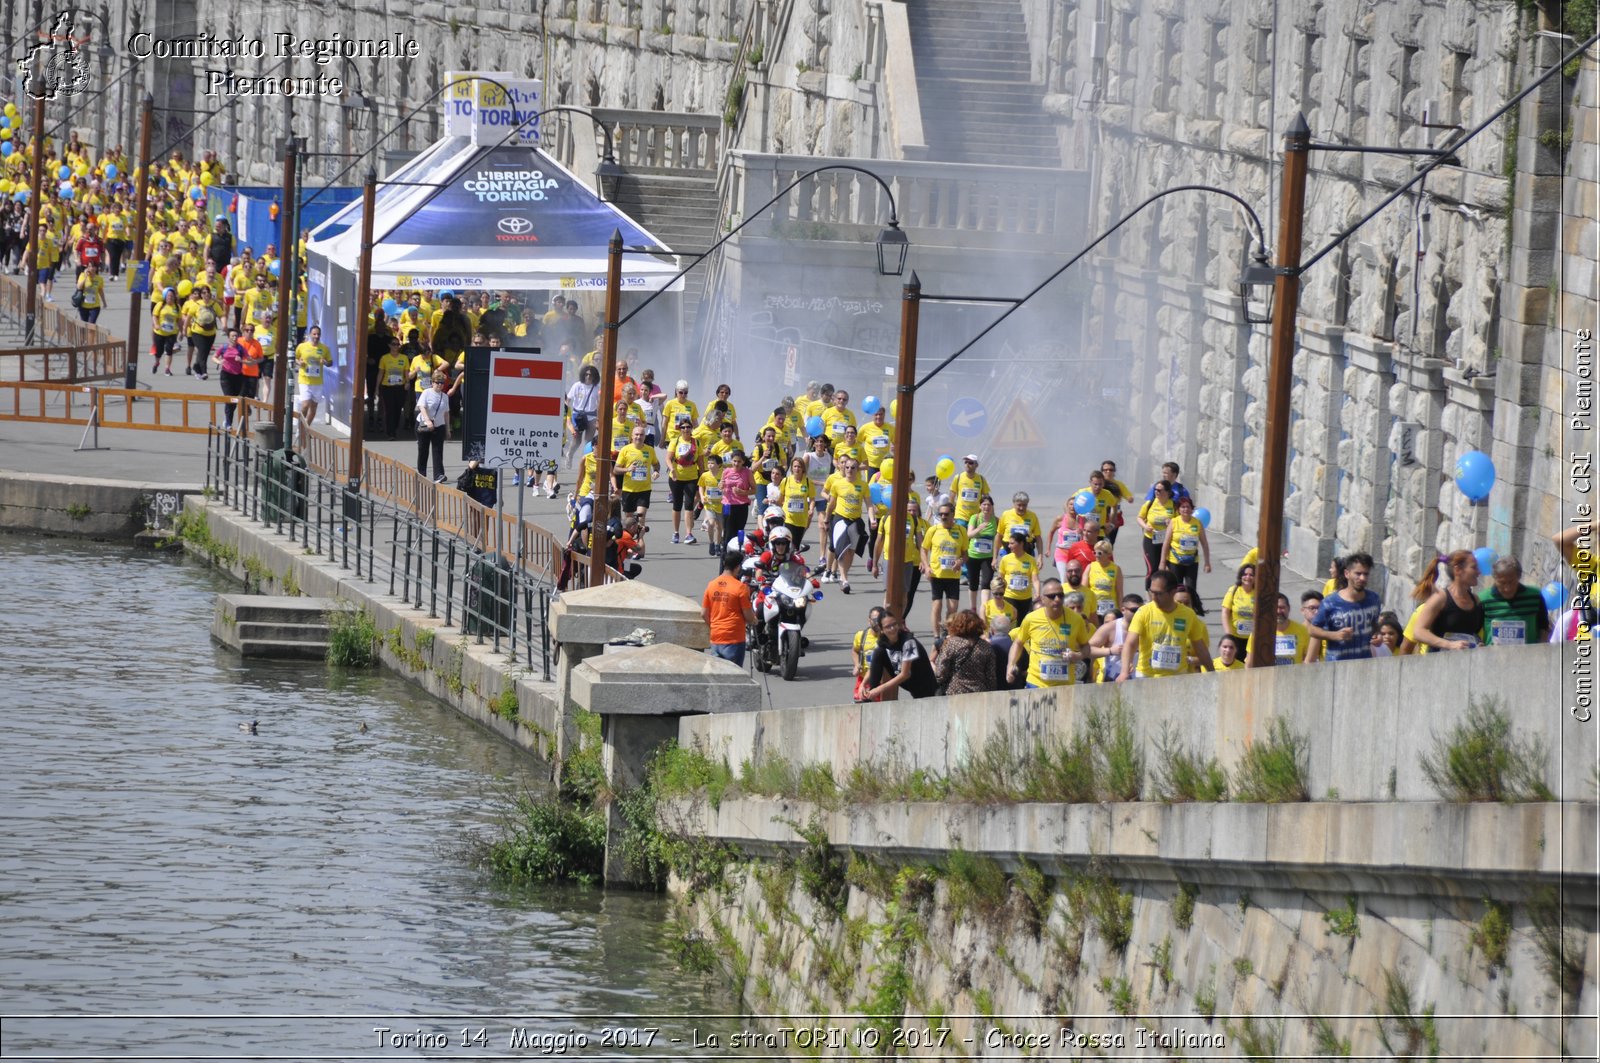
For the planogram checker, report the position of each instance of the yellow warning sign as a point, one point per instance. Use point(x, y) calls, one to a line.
point(1017, 430)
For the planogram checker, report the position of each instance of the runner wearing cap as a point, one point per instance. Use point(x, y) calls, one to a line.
point(967, 488)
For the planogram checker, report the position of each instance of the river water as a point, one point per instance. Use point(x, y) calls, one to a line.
point(173, 886)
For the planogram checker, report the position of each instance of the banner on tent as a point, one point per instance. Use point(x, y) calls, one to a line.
point(523, 427)
point(482, 110)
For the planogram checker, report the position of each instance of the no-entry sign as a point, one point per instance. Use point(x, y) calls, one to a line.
point(524, 423)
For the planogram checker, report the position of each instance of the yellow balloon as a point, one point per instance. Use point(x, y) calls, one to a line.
point(894, 408)
point(886, 470)
point(945, 469)
point(11, 110)
point(5, 134)
point(207, 180)
point(82, 169)
point(184, 288)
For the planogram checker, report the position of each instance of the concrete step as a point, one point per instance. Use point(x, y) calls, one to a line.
point(278, 609)
point(256, 631)
point(277, 650)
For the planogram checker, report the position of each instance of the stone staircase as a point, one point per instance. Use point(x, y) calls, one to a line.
point(682, 211)
point(276, 627)
point(979, 102)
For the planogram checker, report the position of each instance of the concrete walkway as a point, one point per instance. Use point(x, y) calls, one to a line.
point(824, 677)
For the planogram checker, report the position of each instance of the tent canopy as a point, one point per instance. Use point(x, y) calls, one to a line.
point(466, 216)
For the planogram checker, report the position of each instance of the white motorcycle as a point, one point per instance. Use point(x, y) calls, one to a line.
point(781, 611)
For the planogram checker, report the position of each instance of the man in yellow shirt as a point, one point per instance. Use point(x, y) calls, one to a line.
point(200, 317)
point(313, 357)
point(943, 551)
point(838, 417)
point(1288, 641)
point(1056, 639)
point(637, 469)
point(1163, 634)
point(391, 390)
point(876, 443)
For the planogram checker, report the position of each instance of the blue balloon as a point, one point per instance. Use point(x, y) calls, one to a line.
point(21, 195)
point(1083, 503)
point(1475, 475)
point(196, 193)
point(111, 170)
point(273, 269)
point(5, 121)
point(878, 494)
point(1555, 594)
point(871, 405)
point(1486, 559)
point(391, 307)
point(64, 173)
point(1203, 515)
point(66, 191)
point(813, 426)
point(6, 149)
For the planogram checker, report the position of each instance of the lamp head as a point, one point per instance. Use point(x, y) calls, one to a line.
point(893, 247)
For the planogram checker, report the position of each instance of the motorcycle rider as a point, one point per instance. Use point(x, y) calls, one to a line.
point(762, 570)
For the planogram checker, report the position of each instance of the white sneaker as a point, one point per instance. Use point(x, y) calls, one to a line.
point(674, 538)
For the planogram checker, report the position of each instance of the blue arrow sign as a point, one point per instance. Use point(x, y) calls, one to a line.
point(968, 417)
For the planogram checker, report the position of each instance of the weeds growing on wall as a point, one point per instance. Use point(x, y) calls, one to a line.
point(352, 638)
point(1480, 759)
point(1403, 1031)
point(1276, 769)
point(976, 885)
point(1183, 776)
point(1561, 948)
point(1492, 934)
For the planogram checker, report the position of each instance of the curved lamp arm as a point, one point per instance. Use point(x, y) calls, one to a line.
point(1260, 257)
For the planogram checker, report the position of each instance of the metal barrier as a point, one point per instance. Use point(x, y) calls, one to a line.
point(111, 407)
point(100, 361)
point(433, 546)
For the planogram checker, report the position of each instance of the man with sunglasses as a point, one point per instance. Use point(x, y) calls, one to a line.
point(1056, 639)
point(680, 403)
point(1164, 634)
point(944, 550)
point(968, 488)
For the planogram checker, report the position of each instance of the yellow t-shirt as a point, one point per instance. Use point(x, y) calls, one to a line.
point(864, 643)
point(636, 464)
point(392, 370)
point(876, 444)
point(1185, 540)
point(968, 491)
point(1289, 645)
point(1165, 638)
point(835, 421)
point(847, 496)
point(915, 531)
point(1102, 579)
point(197, 326)
point(1046, 641)
point(1243, 605)
point(93, 289)
point(711, 489)
point(313, 359)
point(167, 319)
point(674, 406)
point(1018, 571)
point(685, 460)
point(591, 465)
point(1158, 516)
point(1009, 520)
point(423, 366)
point(723, 447)
point(798, 496)
point(1091, 600)
point(947, 550)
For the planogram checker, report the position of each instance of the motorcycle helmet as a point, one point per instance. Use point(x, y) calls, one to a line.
point(772, 516)
point(780, 535)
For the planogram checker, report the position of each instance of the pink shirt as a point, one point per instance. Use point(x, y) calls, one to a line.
point(737, 486)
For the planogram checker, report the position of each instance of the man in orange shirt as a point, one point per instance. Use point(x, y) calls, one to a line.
point(250, 370)
point(726, 608)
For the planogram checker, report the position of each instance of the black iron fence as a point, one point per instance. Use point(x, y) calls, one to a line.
point(485, 589)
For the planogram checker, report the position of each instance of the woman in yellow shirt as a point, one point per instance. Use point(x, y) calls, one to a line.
point(1104, 577)
point(916, 529)
point(797, 497)
point(1239, 604)
point(166, 318)
point(1184, 549)
point(1154, 516)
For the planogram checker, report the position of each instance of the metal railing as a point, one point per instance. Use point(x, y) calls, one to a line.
point(466, 573)
point(101, 355)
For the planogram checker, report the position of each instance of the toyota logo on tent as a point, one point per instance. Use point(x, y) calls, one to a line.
point(515, 226)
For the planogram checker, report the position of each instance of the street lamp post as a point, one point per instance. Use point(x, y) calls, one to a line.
point(892, 247)
point(905, 397)
point(358, 380)
point(285, 321)
point(36, 184)
point(141, 199)
point(1280, 381)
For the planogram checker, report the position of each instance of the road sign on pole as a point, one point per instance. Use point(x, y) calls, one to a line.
point(1018, 430)
point(968, 418)
point(524, 422)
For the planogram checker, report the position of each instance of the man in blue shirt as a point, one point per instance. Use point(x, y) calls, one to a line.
point(1169, 473)
point(1346, 618)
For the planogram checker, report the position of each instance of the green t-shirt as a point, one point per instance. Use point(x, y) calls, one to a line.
point(1518, 621)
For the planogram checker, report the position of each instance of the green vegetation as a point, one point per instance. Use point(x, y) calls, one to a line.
point(1275, 770)
point(1093, 899)
point(735, 100)
point(1184, 776)
point(890, 986)
point(550, 841)
point(1256, 1039)
point(1403, 1032)
point(1561, 949)
point(79, 511)
point(976, 884)
point(755, 55)
point(1183, 906)
point(820, 868)
point(1119, 995)
point(505, 703)
point(288, 584)
point(352, 638)
point(1492, 935)
point(1325, 1040)
point(193, 529)
point(1479, 759)
point(1345, 921)
point(1161, 960)
point(1205, 995)
point(1243, 968)
point(394, 641)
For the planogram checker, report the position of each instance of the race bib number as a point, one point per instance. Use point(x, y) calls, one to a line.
point(1188, 544)
point(837, 428)
point(982, 547)
point(395, 378)
point(1283, 649)
point(639, 473)
point(1244, 626)
point(795, 505)
point(947, 561)
point(685, 450)
point(1069, 537)
point(969, 494)
point(1166, 657)
point(1059, 671)
point(1018, 582)
point(1508, 632)
point(713, 494)
point(1104, 607)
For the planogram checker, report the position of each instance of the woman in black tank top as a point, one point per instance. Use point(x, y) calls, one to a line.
point(1452, 616)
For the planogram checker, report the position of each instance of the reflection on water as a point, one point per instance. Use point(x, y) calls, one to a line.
point(158, 860)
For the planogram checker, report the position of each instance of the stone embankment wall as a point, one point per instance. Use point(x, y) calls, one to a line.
point(1373, 918)
point(86, 508)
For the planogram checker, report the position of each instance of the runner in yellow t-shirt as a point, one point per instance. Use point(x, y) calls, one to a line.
point(943, 552)
point(1163, 635)
point(1055, 638)
point(312, 357)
